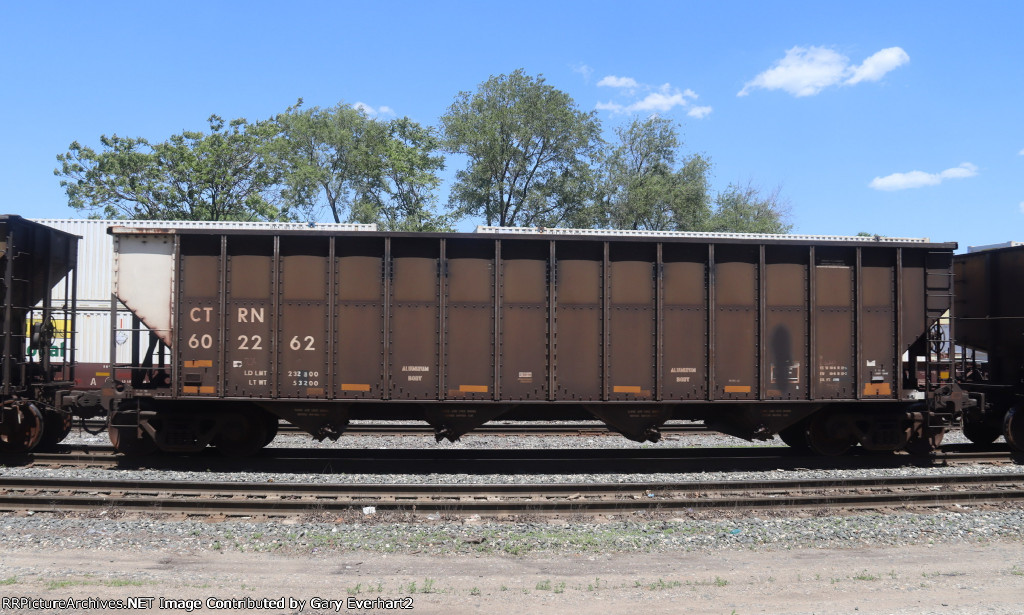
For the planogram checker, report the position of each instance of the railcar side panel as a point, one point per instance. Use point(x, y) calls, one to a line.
point(524, 330)
point(469, 327)
point(784, 366)
point(250, 317)
point(684, 314)
point(835, 341)
point(415, 320)
point(579, 317)
point(877, 330)
point(736, 344)
point(200, 325)
point(632, 322)
point(359, 311)
point(304, 324)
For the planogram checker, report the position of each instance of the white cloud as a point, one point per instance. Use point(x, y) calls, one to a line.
point(806, 71)
point(612, 81)
point(803, 72)
point(917, 179)
point(875, 67)
point(1020, 153)
point(610, 106)
point(370, 111)
point(584, 70)
point(659, 99)
point(1022, 207)
point(699, 112)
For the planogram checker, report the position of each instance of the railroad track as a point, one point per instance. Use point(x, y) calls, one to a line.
point(441, 460)
point(286, 499)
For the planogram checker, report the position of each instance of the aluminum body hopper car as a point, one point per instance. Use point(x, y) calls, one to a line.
point(819, 340)
point(37, 371)
point(990, 320)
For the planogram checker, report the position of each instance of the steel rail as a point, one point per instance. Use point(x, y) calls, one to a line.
point(235, 498)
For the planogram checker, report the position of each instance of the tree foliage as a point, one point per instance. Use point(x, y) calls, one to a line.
point(746, 209)
point(320, 152)
point(398, 190)
point(532, 158)
point(643, 188)
point(529, 149)
point(360, 169)
point(647, 184)
point(221, 175)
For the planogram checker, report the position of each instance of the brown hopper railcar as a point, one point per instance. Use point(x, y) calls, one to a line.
point(820, 340)
point(990, 323)
point(37, 372)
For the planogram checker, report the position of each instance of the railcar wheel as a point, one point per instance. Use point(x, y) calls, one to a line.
point(1013, 428)
point(125, 437)
point(981, 433)
point(56, 427)
point(795, 437)
point(241, 435)
point(22, 429)
point(828, 434)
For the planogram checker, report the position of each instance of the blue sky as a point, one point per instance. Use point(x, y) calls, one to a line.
point(902, 119)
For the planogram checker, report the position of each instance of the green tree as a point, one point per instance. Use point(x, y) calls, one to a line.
point(400, 175)
point(358, 168)
point(529, 150)
point(642, 188)
point(744, 209)
point(321, 154)
point(222, 175)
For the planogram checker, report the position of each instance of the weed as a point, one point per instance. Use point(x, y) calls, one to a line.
point(428, 586)
point(63, 584)
point(1016, 571)
point(661, 584)
point(504, 589)
point(9, 581)
point(865, 576)
point(127, 583)
point(544, 585)
point(560, 588)
point(475, 591)
point(352, 591)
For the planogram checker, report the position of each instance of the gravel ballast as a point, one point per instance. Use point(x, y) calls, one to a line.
point(963, 560)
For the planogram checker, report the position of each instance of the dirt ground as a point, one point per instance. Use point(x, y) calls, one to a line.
point(942, 579)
